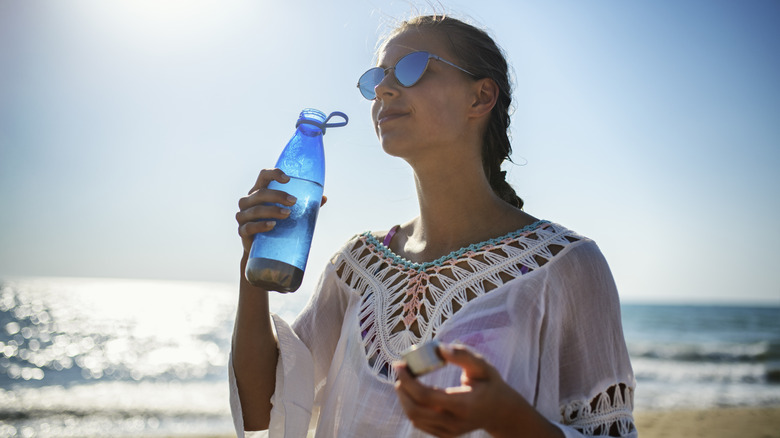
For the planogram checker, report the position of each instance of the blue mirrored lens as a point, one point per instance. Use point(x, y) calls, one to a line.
point(369, 81)
point(410, 68)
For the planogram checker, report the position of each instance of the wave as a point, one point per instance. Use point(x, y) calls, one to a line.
point(123, 408)
point(651, 369)
point(755, 352)
point(66, 332)
point(672, 395)
point(114, 424)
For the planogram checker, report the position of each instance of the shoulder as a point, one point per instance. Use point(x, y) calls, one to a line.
point(568, 246)
point(554, 247)
point(574, 258)
point(580, 274)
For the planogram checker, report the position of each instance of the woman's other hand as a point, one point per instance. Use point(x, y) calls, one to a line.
point(482, 401)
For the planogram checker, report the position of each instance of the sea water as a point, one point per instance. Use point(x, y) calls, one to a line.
point(108, 357)
point(278, 257)
point(92, 357)
point(700, 356)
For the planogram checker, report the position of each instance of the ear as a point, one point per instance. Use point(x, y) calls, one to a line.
point(485, 97)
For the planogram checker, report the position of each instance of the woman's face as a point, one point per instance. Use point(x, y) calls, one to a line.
point(432, 113)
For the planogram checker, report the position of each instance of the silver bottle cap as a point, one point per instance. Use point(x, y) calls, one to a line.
point(423, 358)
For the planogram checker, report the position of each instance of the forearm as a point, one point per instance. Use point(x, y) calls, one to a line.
point(517, 417)
point(255, 354)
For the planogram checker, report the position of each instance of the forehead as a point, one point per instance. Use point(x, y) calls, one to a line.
point(409, 41)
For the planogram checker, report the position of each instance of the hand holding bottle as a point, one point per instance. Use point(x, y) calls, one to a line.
point(257, 211)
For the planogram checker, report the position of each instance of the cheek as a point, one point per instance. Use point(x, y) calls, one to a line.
point(442, 117)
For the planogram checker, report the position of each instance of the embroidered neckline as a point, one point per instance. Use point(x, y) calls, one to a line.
point(388, 253)
point(404, 303)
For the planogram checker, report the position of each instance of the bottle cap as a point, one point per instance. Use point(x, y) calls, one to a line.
point(423, 358)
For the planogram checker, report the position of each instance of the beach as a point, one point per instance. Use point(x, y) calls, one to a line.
point(754, 422)
point(759, 422)
point(126, 358)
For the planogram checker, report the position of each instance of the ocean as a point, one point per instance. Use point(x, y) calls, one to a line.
point(106, 357)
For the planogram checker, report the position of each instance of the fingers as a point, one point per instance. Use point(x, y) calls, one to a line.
point(261, 193)
point(249, 229)
point(256, 205)
point(262, 207)
point(268, 175)
point(253, 212)
point(428, 420)
point(475, 367)
point(416, 391)
point(420, 404)
point(260, 218)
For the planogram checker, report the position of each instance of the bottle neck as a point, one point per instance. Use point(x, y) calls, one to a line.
point(309, 128)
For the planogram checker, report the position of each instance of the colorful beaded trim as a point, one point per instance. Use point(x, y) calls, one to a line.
point(388, 253)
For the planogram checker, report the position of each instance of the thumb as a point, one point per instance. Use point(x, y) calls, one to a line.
point(475, 367)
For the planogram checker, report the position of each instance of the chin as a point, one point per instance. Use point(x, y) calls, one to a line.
point(394, 146)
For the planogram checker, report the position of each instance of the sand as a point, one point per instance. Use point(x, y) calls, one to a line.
point(714, 423)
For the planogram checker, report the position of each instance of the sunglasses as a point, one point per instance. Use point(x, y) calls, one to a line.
point(408, 70)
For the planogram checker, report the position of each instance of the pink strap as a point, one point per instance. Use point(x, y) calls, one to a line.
point(390, 235)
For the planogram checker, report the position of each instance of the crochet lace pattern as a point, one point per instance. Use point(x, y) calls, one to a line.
point(609, 413)
point(404, 303)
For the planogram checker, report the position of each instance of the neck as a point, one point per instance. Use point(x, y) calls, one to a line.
point(457, 208)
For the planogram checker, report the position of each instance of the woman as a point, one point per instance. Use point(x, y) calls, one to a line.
point(527, 310)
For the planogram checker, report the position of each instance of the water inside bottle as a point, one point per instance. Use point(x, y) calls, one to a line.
point(288, 243)
point(273, 275)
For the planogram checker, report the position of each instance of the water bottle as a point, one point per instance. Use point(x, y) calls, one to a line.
point(278, 257)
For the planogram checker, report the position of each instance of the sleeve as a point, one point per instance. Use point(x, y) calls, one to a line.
point(305, 352)
point(594, 375)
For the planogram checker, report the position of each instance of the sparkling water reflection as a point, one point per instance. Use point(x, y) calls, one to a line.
point(69, 330)
point(106, 357)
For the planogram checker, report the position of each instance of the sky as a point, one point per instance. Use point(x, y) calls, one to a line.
point(130, 129)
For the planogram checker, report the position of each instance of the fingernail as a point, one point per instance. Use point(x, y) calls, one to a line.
point(286, 211)
point(446, 349)
point(270, 224)
point(292, 199)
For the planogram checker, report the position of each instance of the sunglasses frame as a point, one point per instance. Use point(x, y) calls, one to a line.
point(369, 73)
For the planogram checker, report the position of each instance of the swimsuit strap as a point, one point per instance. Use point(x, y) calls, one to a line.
point(390, 235)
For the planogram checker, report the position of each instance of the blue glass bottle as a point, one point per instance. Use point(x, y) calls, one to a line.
point(278, 257)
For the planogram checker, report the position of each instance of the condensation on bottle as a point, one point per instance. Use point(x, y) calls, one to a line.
point(277, 260)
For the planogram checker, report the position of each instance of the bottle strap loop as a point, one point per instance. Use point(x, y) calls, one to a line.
point(336, 124)
point(324, 125)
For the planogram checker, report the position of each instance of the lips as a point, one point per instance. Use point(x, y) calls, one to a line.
point(389, 115)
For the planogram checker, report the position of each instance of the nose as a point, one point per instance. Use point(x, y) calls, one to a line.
point(388, 86)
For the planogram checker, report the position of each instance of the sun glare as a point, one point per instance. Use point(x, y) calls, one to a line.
point(166, 23)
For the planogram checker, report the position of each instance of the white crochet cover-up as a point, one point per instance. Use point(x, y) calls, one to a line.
point(540, 304)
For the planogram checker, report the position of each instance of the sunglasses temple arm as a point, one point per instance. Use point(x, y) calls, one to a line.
point(456, 66)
